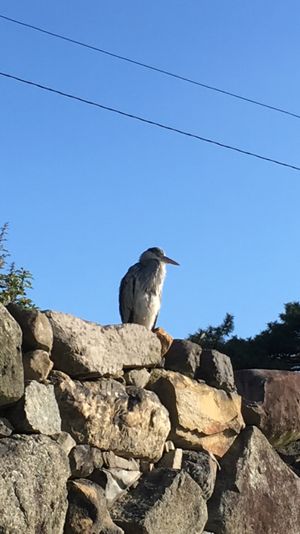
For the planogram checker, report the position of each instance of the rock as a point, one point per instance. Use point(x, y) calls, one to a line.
point(85, 349)
point(81, 461)
point(112, 461)
point(114, 481)
point(171, 459)
point(33, 475)
point(87, 511)
point(202, 417)
point(37, 365)
point(11, 368)
point(271, 401)
point(128, 421)
point(165, 501)
point(202, 467)
point(290, 454)
point(6, 428)
point(184, 357)
point(255, 491)
point(169, 446)
point(37, 411)
point(137, 377)
point(216, 370)
point(165, 339)
point(37, 331)
point(66, 442)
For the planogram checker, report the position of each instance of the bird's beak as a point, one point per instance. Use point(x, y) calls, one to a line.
point(168, 260)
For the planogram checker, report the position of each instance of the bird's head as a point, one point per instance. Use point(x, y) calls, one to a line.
point(157, 254)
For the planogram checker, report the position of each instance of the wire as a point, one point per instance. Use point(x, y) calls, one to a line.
point(152, 67)
point(148, 121)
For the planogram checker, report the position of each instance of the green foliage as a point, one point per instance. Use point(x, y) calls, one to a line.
point(14, 282)
point(276, 347)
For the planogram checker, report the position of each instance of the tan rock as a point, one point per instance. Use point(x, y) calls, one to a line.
point(165, 339)
point(85, 349)
point(11, 368)
point(201, 416)
point(37, 331)
point(37, 365)
point(129, 421)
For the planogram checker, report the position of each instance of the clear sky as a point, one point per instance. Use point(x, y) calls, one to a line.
point(86, 191)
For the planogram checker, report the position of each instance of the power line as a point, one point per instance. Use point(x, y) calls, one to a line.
point(151, 67)
point(148, 121)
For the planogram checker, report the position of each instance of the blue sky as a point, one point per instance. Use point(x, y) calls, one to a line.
point(86, 191)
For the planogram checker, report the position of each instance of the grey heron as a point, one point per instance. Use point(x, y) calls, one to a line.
point(141, 288)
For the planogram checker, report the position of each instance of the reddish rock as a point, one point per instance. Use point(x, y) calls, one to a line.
point(271, 401)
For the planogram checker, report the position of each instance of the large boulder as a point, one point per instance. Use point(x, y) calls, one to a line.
point(255, 491)
point(271, 401)
point(202, 417)
point(33, 495)
point(36, 329)
point(85, 349)
point(11, 367)
point(129, 421)
point(37, 411)
point(165, 501)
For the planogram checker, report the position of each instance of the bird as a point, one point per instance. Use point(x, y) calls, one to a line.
point(141, 288)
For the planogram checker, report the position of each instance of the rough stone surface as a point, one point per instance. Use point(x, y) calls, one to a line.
point(81, 461)
point(271, 401)
point(33, 475)
point(111, 460)
point(137, 377)
point(6, 428)
point(37, 331)
point(129, 421)
point(255, 491)
point(165, 339)
point(87, 511)
point(66, 442)
point(83, 349)
point(171, 459)
point(203, 470)
point(114, 481)
point(37, 411)
point(184, 357)
point(37, 365)
point(216, 370)
point(11, 368)
point(202, 417)
point(165, 501)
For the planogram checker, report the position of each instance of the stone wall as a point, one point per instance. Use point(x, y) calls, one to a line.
point(111, 429)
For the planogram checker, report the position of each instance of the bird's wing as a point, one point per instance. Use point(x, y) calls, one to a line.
point(126, 294)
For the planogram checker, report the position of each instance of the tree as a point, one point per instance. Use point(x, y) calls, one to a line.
point(14, 282)
point(276, 347)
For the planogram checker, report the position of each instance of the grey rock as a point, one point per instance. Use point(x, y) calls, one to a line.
point(114, 481)
point(37, 331)
point(129, 421)
point(165, 501)
point(37, 411)
point(11, 368)
point(87, 511)
point(66, 442)
point(33, 475)
point(203, 470)
point(37, 365)
point(137, 377)
point(85, 349)
point(111, 460)
point(216, 370)
point(81, 461)
point(6, 428)
point(171, 459)
point(184, 357)
point(255, 491)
